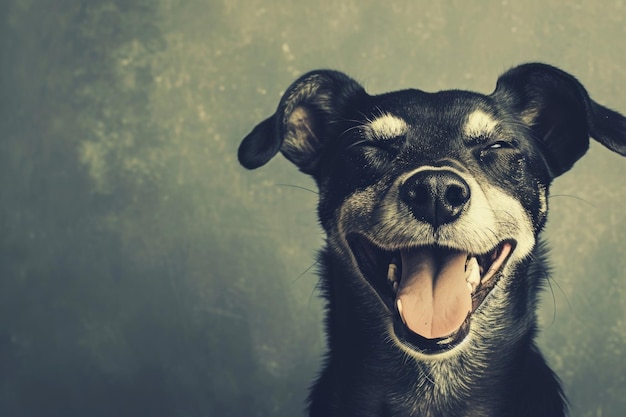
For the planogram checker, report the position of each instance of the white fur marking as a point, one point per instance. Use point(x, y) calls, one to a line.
point(479, 124)
point(387, 126)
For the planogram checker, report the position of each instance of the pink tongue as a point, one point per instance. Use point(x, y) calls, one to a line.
point(433, 298)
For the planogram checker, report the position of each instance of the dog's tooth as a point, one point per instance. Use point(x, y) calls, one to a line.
point(472, 266)
point(472, 274)
point(392, 272)
point(395, 286)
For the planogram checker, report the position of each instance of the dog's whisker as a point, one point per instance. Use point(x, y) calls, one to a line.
point(549, 282)
point(298, 187)
point(303, 273)
point(350, 129)
point(357, 143)
point(574, 197)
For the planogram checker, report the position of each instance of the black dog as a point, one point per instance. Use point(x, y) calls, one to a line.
point(433, 204)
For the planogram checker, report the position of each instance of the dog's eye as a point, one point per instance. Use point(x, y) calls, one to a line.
point(499, 145)
point(371, 154)
point(493, 149)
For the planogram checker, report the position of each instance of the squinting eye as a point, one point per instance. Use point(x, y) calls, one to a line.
point(499, 145)
point(384, 145)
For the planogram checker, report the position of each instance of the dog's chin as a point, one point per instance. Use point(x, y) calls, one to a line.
point(431, 291)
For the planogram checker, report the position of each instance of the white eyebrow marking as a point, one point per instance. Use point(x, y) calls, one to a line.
point(479, 124)
point(387, 126)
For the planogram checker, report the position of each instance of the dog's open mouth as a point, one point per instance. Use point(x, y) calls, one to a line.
point(434, 290)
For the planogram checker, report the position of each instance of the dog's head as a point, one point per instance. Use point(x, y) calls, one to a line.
point(431, 201)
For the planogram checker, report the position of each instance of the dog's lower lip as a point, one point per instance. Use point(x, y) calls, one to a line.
point(374, 262)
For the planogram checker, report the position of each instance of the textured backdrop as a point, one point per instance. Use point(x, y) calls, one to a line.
point(144, 273)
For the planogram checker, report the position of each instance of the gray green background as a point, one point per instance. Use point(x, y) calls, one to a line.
point(144, 273)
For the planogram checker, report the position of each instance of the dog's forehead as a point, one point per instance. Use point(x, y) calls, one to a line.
point(396, 113)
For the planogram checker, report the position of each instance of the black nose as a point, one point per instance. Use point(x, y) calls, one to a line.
point(435, 197)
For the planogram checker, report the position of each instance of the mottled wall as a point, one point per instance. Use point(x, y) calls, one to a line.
point(144, 273)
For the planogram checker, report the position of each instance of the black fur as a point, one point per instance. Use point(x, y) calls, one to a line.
point(407, 171)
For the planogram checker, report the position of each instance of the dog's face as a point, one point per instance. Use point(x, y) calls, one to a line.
point(433, 198)
point(432, 202)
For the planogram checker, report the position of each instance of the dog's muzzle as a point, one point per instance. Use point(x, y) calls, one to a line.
point(432, 289)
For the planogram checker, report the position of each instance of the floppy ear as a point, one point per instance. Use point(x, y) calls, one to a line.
point(300, 126)
point(558, 110)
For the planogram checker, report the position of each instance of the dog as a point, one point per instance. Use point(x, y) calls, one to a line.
point(433, 206)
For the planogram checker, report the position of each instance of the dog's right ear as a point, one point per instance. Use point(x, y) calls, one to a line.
point(299, 128)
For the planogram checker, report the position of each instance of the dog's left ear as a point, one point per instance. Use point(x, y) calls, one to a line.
point(310, 107)
point(558, 110)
